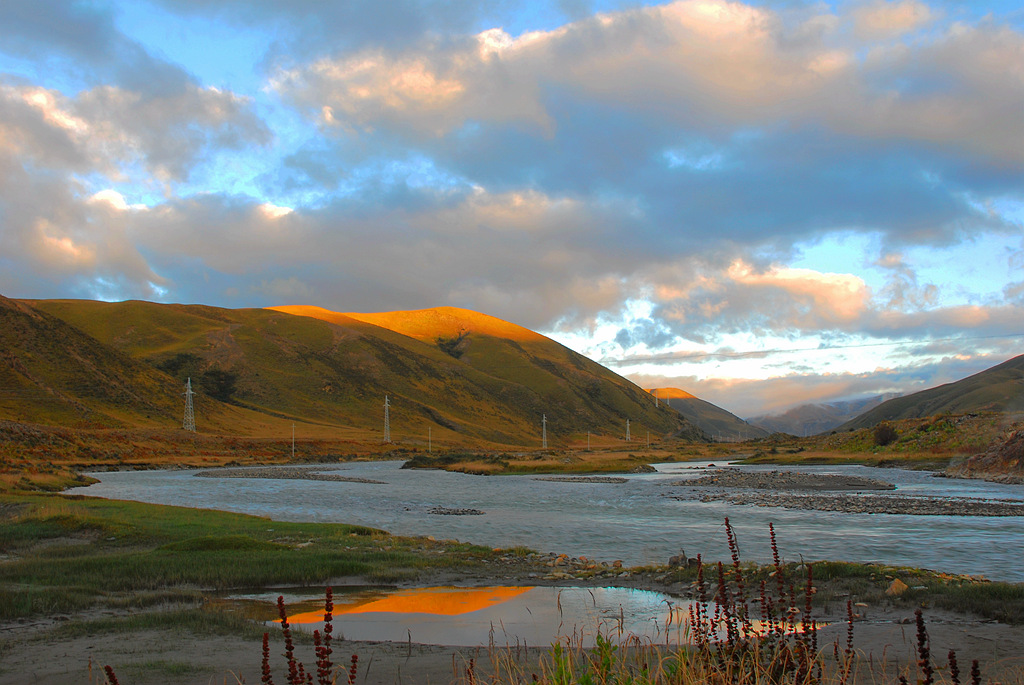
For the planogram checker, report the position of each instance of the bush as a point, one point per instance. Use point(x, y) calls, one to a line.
point(885, 434)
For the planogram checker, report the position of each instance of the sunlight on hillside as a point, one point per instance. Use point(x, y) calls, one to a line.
point(423, 324)
point(670, 393)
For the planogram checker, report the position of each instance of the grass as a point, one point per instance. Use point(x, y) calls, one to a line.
point(70, 554)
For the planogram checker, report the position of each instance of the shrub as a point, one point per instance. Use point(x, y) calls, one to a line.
point(885, 434)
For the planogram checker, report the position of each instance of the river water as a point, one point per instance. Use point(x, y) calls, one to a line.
point(636, 521)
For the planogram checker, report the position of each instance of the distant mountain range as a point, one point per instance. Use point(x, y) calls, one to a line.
point(812, 419)
point(470, 378)
point(998, 389)
point(719, 424)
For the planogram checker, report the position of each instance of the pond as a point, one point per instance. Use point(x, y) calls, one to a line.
point(476, 616)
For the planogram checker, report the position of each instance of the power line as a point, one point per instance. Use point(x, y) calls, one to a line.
point(681, 356)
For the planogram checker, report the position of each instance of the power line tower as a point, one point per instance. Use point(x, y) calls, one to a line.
point(656, 405)
point(627, 430)
point(387, 419)
point(543, 431)
point(190, 416)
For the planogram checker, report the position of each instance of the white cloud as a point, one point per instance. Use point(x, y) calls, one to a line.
point(885, 19)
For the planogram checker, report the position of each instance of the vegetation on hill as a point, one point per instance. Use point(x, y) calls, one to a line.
point(472, 380)
point(716, 422)
point(51, 372)
point(998, 389)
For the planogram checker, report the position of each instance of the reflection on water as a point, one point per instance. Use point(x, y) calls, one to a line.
point(637, 521)
point(480, 616)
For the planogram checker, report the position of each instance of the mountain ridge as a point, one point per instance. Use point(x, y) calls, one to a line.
point(333, 370)
point(999, 388)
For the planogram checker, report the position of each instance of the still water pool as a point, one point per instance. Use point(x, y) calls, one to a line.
point(636, 521)
point(478, 616)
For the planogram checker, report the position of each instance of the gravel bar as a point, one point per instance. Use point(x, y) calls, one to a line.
point(783, 480)
point(583, 479)
point(869, 504)
point(285, 473)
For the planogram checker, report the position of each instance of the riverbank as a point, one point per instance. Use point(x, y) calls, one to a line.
point(160, 623)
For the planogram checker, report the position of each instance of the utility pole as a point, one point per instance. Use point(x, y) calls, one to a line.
point(387, 419)
point(190, 417)
point(588, 441)
point(293, 442)
point(648, 439)
point(544, 431)
point(627, 430)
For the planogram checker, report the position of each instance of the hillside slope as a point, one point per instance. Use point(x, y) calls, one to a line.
point(525, 373)
point(51, 372)
point(332, 371)
point(717, 423)
point(998, 389)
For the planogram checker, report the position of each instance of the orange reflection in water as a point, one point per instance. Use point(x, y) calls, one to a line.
point(440, 601)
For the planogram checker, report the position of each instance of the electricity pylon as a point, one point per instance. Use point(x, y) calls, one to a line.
point(627, 430)
point(544, 431)
point(387, 419)
point(190, 417)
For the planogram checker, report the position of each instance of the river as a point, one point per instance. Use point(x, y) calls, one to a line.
point(636, 521)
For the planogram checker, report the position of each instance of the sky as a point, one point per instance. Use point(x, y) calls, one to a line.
point(764, 203)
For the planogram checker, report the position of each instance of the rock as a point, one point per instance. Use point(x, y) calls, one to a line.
point(445, 511)
point(896, 588)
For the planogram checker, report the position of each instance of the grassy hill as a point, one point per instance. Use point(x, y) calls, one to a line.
point(51, 372)
point(716, 422)
point(471, 379)
point(998, 389)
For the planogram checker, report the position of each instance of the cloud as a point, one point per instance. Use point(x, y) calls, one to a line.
point(747, 398)
point(82, 39)
point(710, 66)
point(58, 232)
point(885, 19)
point(107, 129)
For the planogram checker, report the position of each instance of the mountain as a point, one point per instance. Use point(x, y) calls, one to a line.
point(812, 419)
point(50, 372)
point(998, 389)
point(718, 423)
point(464, 375)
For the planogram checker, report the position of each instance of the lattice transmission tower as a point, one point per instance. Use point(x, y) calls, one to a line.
point(189, 423)
point(627, 430)
point(543, 431)
point(387, 419)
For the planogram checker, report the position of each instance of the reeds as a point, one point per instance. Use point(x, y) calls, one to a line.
point(326, 674)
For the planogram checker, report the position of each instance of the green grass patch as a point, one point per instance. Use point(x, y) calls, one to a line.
point(221, 543)
point(71, 553)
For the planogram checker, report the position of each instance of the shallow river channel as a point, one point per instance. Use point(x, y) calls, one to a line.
point(638, 520)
